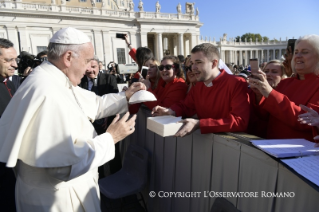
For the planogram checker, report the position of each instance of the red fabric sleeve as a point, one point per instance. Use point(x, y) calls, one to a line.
point(132, 53)
point(175, 93)
point(279, 106)
point(186, 107)
point(134, 108)
point(137, 75)
point(237, 119)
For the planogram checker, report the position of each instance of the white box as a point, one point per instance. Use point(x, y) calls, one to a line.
point(164, 125)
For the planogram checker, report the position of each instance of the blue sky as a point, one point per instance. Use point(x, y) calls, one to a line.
point(271, 18)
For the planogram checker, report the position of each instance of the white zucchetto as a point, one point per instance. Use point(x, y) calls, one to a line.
point(70, 35)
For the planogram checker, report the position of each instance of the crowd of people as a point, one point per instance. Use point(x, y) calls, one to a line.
point(62, 125)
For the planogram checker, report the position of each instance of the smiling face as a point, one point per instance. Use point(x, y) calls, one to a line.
point(152, 69)
point(305, 58)
point(273, 72)
point(92, 70)
point(8, 62)
point(202, 66)
point(190, 75)
point(168, 75)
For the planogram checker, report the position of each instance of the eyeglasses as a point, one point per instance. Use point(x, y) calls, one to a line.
point(11, 60)
point(167, 67)
point(43, 59)
point(188, 68)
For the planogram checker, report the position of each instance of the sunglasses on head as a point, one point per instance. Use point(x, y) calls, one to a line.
point(167, 67)
point(188, 68)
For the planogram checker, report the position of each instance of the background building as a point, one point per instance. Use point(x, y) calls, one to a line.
point(240, 52)
point(30, 25)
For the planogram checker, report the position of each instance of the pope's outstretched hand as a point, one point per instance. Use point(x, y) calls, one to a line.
point(136, 86)
point(120, 128)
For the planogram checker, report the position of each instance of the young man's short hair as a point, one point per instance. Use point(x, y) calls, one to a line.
point(209, 50)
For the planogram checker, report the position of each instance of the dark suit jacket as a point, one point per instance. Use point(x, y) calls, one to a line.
point(106, 83)
point(16, 80)
point(4, 94)
point(7, 177)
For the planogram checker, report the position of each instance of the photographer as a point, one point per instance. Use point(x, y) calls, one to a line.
point(113, 66)
point(28, 62)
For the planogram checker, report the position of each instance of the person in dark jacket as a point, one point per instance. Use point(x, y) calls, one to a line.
point(101, 84)
point(8, 64)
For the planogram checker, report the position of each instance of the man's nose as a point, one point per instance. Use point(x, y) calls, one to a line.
point(14, 64)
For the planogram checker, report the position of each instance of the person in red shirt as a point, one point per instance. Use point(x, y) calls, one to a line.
point(190, 76)
point(153, 79)
point(275, 72)
point(172, 88)
point(283, 103)
point(219, 100)
point(140, 56)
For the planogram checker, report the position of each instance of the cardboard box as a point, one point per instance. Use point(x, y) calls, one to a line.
point(164, 125)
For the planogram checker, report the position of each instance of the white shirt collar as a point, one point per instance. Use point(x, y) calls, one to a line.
point(211, 83)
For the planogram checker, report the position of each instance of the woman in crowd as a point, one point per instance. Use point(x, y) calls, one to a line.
point(282, 103)
point(275, 72)
point(172, 88)
point(190, 76)
point(140, 56)
point(153, 79)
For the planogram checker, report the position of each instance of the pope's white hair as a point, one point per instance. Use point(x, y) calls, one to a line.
point(56, 50)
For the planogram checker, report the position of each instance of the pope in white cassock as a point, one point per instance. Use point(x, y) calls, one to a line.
point(47, 135)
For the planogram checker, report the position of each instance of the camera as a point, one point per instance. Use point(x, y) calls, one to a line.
point(120, 35)
point(26, 60)
point(29, 60)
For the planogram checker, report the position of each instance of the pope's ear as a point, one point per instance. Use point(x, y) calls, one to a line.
point(67, 58)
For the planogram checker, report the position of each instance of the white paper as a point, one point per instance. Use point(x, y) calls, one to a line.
point(282, 148)
point(306, 166)
point(142, 96)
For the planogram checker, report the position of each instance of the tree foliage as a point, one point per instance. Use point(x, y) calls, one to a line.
point(252, 36)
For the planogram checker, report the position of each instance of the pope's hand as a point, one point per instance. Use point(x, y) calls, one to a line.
point(162, 111)
point(190, 125)
point(120, 128)
point(136, 86)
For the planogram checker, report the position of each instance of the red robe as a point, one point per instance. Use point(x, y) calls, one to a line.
point(168, 94)
point(132, 53)
point(282, 105)
point(224, 107)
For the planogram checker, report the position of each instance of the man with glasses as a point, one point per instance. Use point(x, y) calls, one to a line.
point(219, 100)
point(42, 56)
point(8, 64)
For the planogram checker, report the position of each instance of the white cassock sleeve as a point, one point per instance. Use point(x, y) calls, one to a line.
point(101, 148)
point(101, 151)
